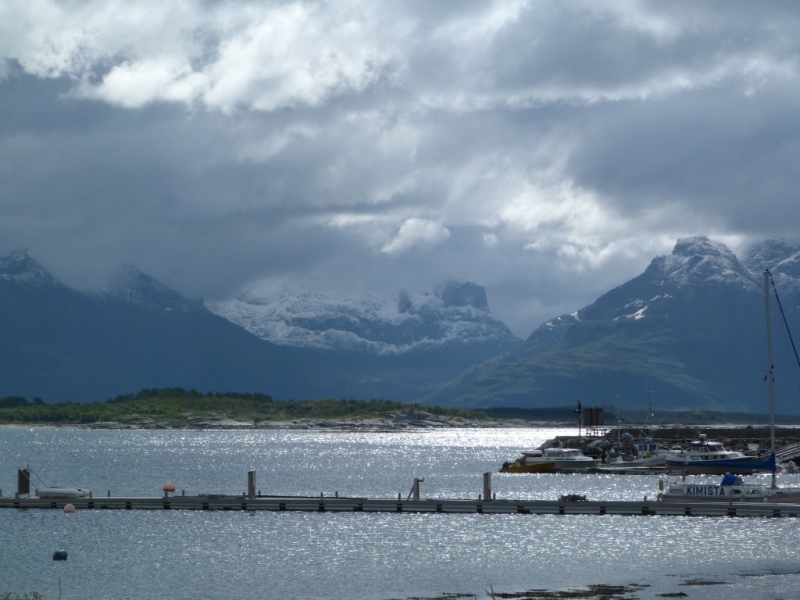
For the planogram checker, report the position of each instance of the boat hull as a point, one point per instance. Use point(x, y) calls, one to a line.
point(740, 466)
point(735, 493)
point(55, 493)
point(545, 467)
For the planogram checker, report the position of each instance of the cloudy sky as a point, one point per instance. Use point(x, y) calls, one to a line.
point(546, 150)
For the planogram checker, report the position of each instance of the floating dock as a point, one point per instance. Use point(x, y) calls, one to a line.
point(428, 505)
point(486, 503)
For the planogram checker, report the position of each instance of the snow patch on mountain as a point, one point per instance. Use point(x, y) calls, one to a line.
point(20, 268)
point(698, 260)
point(457, 313)
point(135, 287)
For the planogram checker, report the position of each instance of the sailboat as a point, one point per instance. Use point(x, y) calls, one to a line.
point(732, 488)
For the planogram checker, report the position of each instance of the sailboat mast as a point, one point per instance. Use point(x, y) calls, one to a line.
point(770, 374)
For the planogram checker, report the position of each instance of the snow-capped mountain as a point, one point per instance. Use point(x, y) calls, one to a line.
point(133, 286)
point(21, 269)
point(66, 345)
point(457, 314)
point(691, 326)
point(783, 259)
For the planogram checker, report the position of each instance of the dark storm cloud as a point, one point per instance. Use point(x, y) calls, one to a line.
point(547, 150)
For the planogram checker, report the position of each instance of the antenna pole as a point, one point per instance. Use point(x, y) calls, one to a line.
point(770, 373)
point(619, 439)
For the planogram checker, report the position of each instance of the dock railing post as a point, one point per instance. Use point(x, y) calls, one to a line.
point(251, 484)
point(487, 486)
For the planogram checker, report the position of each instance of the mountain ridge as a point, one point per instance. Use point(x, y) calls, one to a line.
point(66, 345)
point(685, 326)
point(456, 314)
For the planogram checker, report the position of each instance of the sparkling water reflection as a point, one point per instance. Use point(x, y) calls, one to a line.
point(143, 554)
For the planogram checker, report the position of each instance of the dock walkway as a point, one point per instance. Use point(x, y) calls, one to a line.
point(393, 505)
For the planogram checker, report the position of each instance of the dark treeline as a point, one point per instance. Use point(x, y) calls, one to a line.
point(14, 401)
point(177, 392)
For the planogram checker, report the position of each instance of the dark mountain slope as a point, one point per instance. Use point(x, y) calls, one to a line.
point(691, 328)
point(63, 345)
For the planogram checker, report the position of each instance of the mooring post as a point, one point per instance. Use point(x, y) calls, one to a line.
point(251, 484)
point(487, 485)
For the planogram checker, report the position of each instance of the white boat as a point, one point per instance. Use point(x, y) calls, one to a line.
point(550, 459)
point(732, 488)
point(531, 461)
point(704, 456)
point(567, 459)
point(57, 492)
point(639, 453)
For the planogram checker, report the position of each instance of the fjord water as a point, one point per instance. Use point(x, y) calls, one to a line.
point(285, 555)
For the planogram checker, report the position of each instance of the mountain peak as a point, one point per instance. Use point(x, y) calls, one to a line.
point(455, 316)
point(20, 267)
point(463, 293)
point(136, 287)
point(776, 254)
point(698, 259)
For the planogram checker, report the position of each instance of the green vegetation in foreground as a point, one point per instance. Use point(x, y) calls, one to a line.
point(175, 405)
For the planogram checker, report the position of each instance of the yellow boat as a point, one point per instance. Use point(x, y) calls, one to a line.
point(532, 461)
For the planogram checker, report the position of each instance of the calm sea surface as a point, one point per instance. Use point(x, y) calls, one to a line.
point(266, 555)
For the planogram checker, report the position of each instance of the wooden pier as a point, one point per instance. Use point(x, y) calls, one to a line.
point(394, 505)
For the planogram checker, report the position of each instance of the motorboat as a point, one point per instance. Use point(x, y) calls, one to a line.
point(46, 491)
point(731, 489)
point(57, 492)
point(550, 460)
point(531, 461)
point(704, 456)
point(639, 453)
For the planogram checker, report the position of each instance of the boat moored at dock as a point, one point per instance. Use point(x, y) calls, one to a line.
point(731, 489)
point(704, 456)
point(550, 460)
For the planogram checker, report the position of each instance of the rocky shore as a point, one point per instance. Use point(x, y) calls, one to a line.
point(391, 422)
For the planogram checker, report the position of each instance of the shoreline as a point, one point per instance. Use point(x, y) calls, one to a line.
point(411, 421)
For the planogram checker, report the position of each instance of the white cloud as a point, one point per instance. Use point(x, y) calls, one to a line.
point(416, 233)
point(302, 140)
